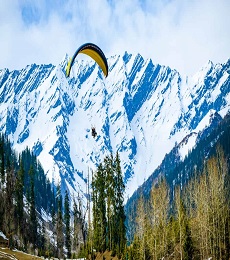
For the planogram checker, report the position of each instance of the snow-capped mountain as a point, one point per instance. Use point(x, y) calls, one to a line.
point(140, 109)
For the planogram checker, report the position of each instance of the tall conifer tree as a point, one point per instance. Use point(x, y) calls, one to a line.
point(119, 207)
point(110, 200)
point(59, 224)
point(33, 217)
point(19, 196)
point(99, 209)
point(2, 160)
point(67, 224)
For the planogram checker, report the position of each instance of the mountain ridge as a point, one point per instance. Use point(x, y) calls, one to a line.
point(141, 110)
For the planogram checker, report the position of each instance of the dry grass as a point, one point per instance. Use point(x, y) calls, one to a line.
point(18, 255)
point(23, 256)
point(107, 256)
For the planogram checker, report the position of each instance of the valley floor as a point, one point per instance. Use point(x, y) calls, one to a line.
point(106, 255)
point(6, 253)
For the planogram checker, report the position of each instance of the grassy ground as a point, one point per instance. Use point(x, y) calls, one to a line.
point(107, 256)
point(6, 253)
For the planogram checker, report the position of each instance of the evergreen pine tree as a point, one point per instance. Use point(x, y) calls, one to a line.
point(2, 160)
point(67, 225)
point(119, 207)
point(77, 229)
point(19, 197)
point(59, 224)
point(75, 226)
point(8, 221)
point(33, 217)
point(110, 201)
point(2, 180)
point(42, 240)
point(99, 209)
point(53, 216)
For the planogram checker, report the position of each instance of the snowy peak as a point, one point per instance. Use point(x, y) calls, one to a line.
point(140, 110)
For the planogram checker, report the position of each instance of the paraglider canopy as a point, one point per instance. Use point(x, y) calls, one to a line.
point(94, 52)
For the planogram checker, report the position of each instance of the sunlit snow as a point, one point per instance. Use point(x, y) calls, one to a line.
point(140, 110)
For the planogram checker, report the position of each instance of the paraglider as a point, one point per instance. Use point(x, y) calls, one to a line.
point(94, 52)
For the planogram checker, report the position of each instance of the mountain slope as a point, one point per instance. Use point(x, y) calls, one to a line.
point(178, 170)
point(141, 110)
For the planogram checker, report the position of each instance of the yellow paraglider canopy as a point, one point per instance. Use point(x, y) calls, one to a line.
point(94, 52)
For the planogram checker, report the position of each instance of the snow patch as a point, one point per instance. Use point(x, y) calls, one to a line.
point(3, 235)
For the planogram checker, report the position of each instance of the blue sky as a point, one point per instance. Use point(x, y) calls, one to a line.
point(183, 34)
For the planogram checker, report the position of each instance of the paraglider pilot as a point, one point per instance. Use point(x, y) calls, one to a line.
point(94, 133)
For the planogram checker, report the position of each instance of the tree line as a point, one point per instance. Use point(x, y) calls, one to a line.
point(24, 191)
point(29, 201)
point(37, 216)
point(177, 172)
point(189, 222)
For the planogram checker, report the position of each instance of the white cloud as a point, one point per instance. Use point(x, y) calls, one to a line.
point(181, 34)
